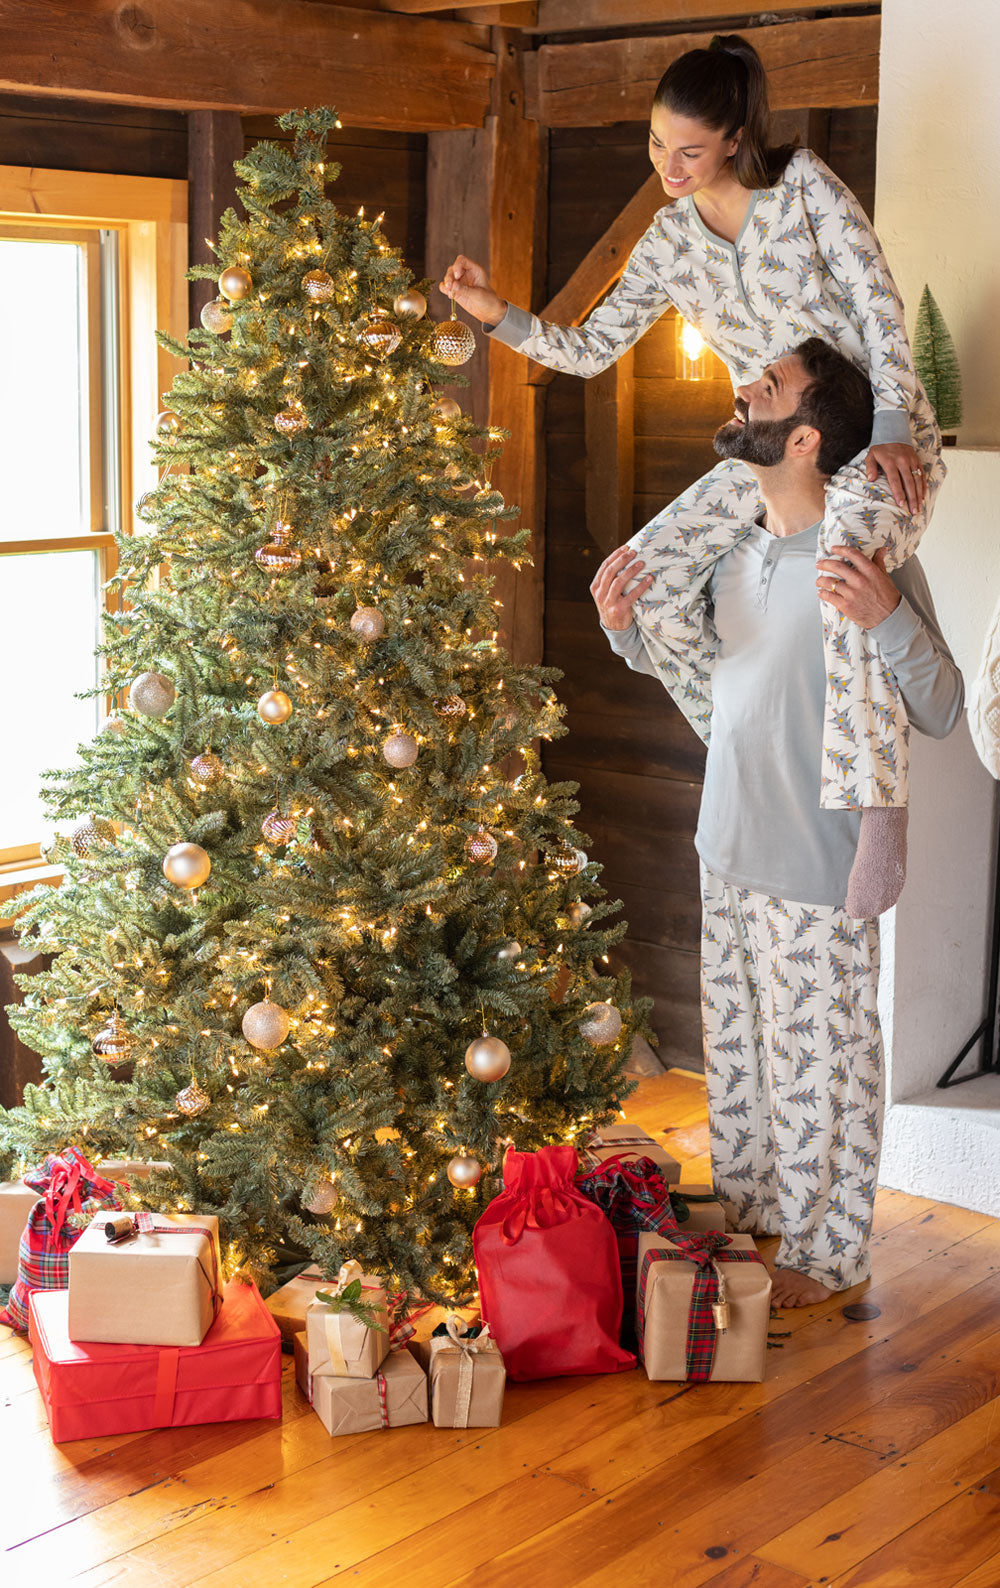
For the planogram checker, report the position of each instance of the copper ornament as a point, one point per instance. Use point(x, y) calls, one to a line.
point(318, 286)
point(487, 1059)
point(481, 847)
point(278, 555)
point(193, 1099)
point(207, 769)
point(464, 1171)
point(277, 827)
point(291, 420)
point(113, 1044)
point(381, 335)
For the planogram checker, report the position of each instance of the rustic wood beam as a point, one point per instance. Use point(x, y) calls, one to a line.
point(609, 429)
point(215, 140)
point(418, 7)
point(572, 16)
point(409, 74)
point(831, 62)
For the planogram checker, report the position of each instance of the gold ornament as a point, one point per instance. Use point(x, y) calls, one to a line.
point(145, 505)
point(510, 950)
point(235, 283)
point(566, 860)
point(487, 1059)
point(167, 423)
point(187, 865)
point(381, 336)
point(277, 827)
point(152, 693)
point(274, 706)
point(291, 419)
point(447, 409)
point(400, 749)
point(578, 912)
point(324, 1199)
point(450, 706)
point(265, 1025)
point(207, 769)
point(368, 623)
point(91, 834)
point(411, 303)
point(277, 556)
point(114, 725)
point(113, 1044)
point(318, 286)
point(601, 1024)
point(464, 1172)
point(217, 316)
point(193, 1099)
point(481, 847)
point(453, 342)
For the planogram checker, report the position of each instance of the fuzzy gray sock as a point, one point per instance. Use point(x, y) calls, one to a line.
point(879, 868)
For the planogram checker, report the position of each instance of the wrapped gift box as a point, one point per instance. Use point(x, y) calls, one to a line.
point(16, 1202)
point(89, 1390)
point(159, 1287)
point(466, 1381)
point(289, 1305)
point(627, 1141)
point(706, 1215)
point(663, 1309)
point(395, 1396)
point(129, 1169)
point(341, 1345)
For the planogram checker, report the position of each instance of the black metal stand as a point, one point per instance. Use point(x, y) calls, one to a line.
point(987, 1029)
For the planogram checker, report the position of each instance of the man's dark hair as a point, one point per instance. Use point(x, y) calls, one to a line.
point(838, 402)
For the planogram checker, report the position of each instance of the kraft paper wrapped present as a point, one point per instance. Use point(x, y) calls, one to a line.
point(698, 1201)
point(129, 1169)
point(395, 1396)
point(466, 1377)
point(16, 1202)
point(289, 1305)
point(161, 1285)
point(91, 1390)
point(702, 1308)
point(627, 1141)
point(349, 1337)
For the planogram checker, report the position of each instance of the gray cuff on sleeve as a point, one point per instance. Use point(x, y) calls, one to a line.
point(514, 328)
point(894, 635)
point(624, 642)
point(891, 424)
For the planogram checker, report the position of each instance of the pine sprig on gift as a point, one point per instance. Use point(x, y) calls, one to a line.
point(349, 1300)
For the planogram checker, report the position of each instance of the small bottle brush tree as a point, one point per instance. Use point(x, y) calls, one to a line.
point(936, 363)
point(318, 858)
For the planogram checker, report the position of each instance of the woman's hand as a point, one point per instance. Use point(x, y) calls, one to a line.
point(467, 283)
point(858, 586)
point(613, 603)
point(900, 463)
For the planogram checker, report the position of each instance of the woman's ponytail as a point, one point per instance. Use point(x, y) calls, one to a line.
point(725, 88)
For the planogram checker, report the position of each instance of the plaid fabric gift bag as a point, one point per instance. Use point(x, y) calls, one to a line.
point(70, 1192)
point(633, 1195)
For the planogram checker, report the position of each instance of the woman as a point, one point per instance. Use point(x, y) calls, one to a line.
point(761, 248)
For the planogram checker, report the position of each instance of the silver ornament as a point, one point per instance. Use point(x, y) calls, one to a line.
point(291, 420)
point(324, 1199)
point(91, 835)
point(265, 1025)
point(578, 912)
point(318, 286)
point(113, 1044)
point(368, 623)
point(450, 706)
point(277, 556)
point(274, 706)
point(193, 1099)
point(411, 303)
point(207, 769)
point(481, 847)
point(601, 1024)
point(235, 283)
point(217, 316)
point(381, 336)
point(167, 423)
point(447, 409)
point(511, 950)
point(400, 749)
point(277, 827)
point(487, 1058)
point(453, 342)
point(152, 693)
point(464, 1172)
point(187, 865)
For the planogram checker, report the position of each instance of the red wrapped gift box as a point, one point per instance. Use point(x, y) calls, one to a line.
point(89, 1389)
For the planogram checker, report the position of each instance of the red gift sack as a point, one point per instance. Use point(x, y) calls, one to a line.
point(70, 1192)
point(549, 1281)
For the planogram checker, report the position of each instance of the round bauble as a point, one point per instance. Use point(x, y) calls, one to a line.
point(207, 769)
point(291, 420)
point(91, 835)
point(278, 556)
point(152, 693)
point(481, 847)
point(113, 1044)
point(601, 1024)
point(410, 303)
point(193, 1099)
point(453, 343)
point(167, 423)
point(400, 749)
point(381, 335)
point(145, 506)
point(265, 1025)
point(274, 706)
point(464, 1172)
point(235, 283)
point(324, 1199)
point(318, 286)
point(579, 912)
point(487, 1059)
point(368, 624)
point(277, 827)
point(447, 409)
point(450, 706)
point(187, 865)
point(217, 316)
point(115, 726)
point(566, 860)
point(510, 950)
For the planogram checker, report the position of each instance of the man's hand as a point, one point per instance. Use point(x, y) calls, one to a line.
point(469, 285)
point(903, 471)
point(858, 586)
point(614, 603)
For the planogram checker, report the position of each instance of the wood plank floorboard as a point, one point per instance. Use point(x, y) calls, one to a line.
point(869, 1457)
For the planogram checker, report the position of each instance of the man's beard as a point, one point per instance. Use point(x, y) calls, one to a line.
point(760, 441)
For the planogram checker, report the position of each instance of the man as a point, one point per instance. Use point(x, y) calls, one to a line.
point(793, 1048)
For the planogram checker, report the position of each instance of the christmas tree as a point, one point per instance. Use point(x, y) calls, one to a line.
point(936, 362)
point(327, 940)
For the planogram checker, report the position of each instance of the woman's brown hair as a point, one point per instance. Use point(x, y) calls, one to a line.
point(725, 88)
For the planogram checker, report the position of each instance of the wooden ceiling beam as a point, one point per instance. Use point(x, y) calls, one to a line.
point(418, 7)
point(830, 62)
point(411, 74)
point(577, 16)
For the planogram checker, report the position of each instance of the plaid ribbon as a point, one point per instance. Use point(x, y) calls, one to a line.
point(706, 1250)
point(68, 1189)
point(632, 1194)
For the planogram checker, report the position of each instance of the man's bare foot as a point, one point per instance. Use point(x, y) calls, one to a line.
point(790, 1288)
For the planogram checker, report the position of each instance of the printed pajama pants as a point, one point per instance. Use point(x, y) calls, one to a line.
point(793, 1060)
point(866, 734)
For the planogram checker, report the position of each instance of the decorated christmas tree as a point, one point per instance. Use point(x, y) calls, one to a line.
point(936, 362)
point(327, 941)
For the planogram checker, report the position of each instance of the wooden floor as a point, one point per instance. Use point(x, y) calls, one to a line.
point(870, 1458)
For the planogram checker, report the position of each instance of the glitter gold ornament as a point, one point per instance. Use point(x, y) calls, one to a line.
point(207, 769)
point(291, 420)
point(381, 335)
point(193, 1099)
point(91, 834)
point(278, 556)
point(450, 706)
point(274, 706)
point(167, 423)
point(114, 725)
point(152, 693)
point(400, 749)
point(368, 624)
point(324, 1199)
point(265, 1025)
point(601, 1024)
point(187, 865)
point(578, 912)
point(510, 950)
point(487, 1058)
point(481, 847)
point(217, 316)
point(113, 1044)
point(566, 860)
point(411, 303)
point(453, 342)
point(235, 283)
point(318, 286)
point(464, 1171)
point(277, 827)
point(447, 409)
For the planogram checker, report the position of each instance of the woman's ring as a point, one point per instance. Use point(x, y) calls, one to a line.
point(916, 471)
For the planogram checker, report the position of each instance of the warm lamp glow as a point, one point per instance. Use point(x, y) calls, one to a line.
point(691, 347)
